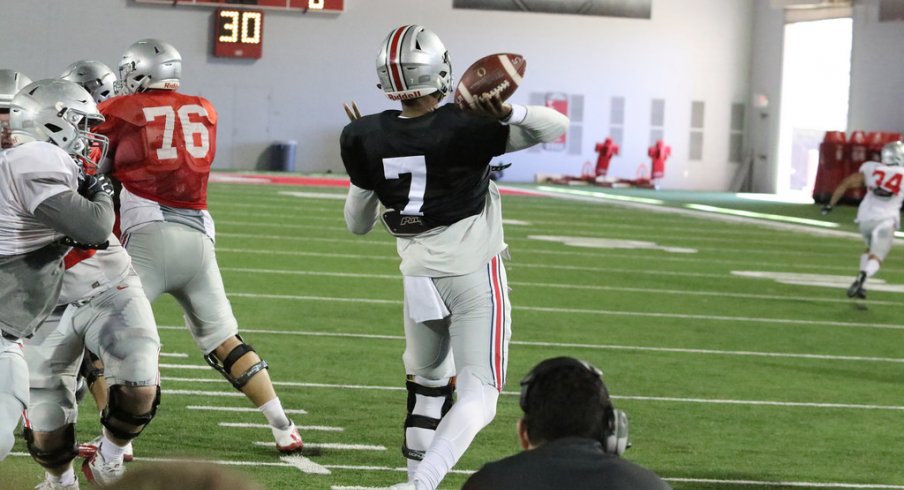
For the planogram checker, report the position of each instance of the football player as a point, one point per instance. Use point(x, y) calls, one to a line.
point(162, 144)
point(10, 83)
point(103, 308)
point(46, 206)
point(879, 214)
point(429, 165)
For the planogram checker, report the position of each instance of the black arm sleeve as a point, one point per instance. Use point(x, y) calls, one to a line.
point(78, 218)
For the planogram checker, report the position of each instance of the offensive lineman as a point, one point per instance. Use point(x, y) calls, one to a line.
point(102, 308)
point(45, 206)
point(879, 214)
point(428, 164)
point(162, 144)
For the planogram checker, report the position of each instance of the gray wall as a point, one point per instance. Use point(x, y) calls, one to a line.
point(715, 51)
point(877, 71)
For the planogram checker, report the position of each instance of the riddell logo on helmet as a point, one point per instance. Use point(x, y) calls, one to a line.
point(410, 95)
point(171, 85)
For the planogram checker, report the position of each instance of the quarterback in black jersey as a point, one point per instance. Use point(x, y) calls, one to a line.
point(429, 166)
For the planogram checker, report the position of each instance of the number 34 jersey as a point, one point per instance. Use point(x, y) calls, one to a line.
point(162, 144)
point(884, 192)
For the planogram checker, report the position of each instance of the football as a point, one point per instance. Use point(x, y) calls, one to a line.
point(496, 73)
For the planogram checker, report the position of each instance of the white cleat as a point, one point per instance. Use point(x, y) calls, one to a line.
point(87, 449)
point(51, 485)
point(288, 440)
point(101, 472)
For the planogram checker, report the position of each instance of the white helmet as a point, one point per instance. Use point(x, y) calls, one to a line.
point(59, 112)
point(150, 64)
point(95, 77)
point(893, 153)
point(413, 62)
point(10, 84)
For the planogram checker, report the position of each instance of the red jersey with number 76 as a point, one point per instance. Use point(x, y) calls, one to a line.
point(162, 144)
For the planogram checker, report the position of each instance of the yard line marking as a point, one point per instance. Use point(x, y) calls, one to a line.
point(295, 384)
point(174, 354)
point(313, 195)
point(235, 394)
point(329, 445)
point(678, 350)
point(198, 367)
point(398, 277)
point(296, 253)
point(714, 401)
point(805, 484)
point(359, 241)
point(761, 483)
point(243, 425)
point(305, 465)
point(209, 408)
point(591, 311)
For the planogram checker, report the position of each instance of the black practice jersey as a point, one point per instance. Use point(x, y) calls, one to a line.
point(435, 165)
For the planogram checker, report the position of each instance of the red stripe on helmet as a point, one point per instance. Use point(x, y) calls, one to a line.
point(392, 58)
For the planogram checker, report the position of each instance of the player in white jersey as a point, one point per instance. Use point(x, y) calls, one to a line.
point(879, 214)
point(429, 165)
point(103, 308)
point(44, 207)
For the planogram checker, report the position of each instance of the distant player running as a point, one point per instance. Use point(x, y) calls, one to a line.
point(879, 214)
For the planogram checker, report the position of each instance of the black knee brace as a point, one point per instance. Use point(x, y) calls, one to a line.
point(114, 411)
point(226, 367)
point(88, 370)
point(423, 421)
point(65, 452)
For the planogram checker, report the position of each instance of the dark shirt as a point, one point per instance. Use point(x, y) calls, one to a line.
point(435, 165)
point(571, 463)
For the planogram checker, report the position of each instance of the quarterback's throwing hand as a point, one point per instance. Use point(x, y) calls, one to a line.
point(352, 112)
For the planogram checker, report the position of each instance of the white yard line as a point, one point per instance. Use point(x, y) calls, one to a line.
point(570, 345)
point(314, 428)
point(546, 285)
point(209, 408)
point(181, 355)
point(329, 445)
point(228, 394)
point(712, 401)
point(197, 367)
point(592, 311)
point(305, 465)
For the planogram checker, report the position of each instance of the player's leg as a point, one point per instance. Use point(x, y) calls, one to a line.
point(53, 356)
point(119, 326)
point(92, 372)
point(209, 317)
point(13, 392)
point(480, 330)
point(430, 382)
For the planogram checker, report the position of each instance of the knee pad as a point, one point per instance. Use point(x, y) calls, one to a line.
point(226, 367)
point(115, 412)
point(427, 405)
point(65, 449)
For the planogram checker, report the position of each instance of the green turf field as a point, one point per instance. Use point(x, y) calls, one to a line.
point(730, 379)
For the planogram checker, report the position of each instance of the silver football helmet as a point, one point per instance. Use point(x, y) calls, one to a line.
point(10, 84)
point(893, 153)
point(95, 77)
point(59, 112)
point(150, 64)
point(413, 62)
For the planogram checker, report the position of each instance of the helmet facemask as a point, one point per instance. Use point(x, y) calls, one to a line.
point(893, 154)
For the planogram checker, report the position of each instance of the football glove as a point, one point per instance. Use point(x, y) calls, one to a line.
point(826, 209)
point(90, 185)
